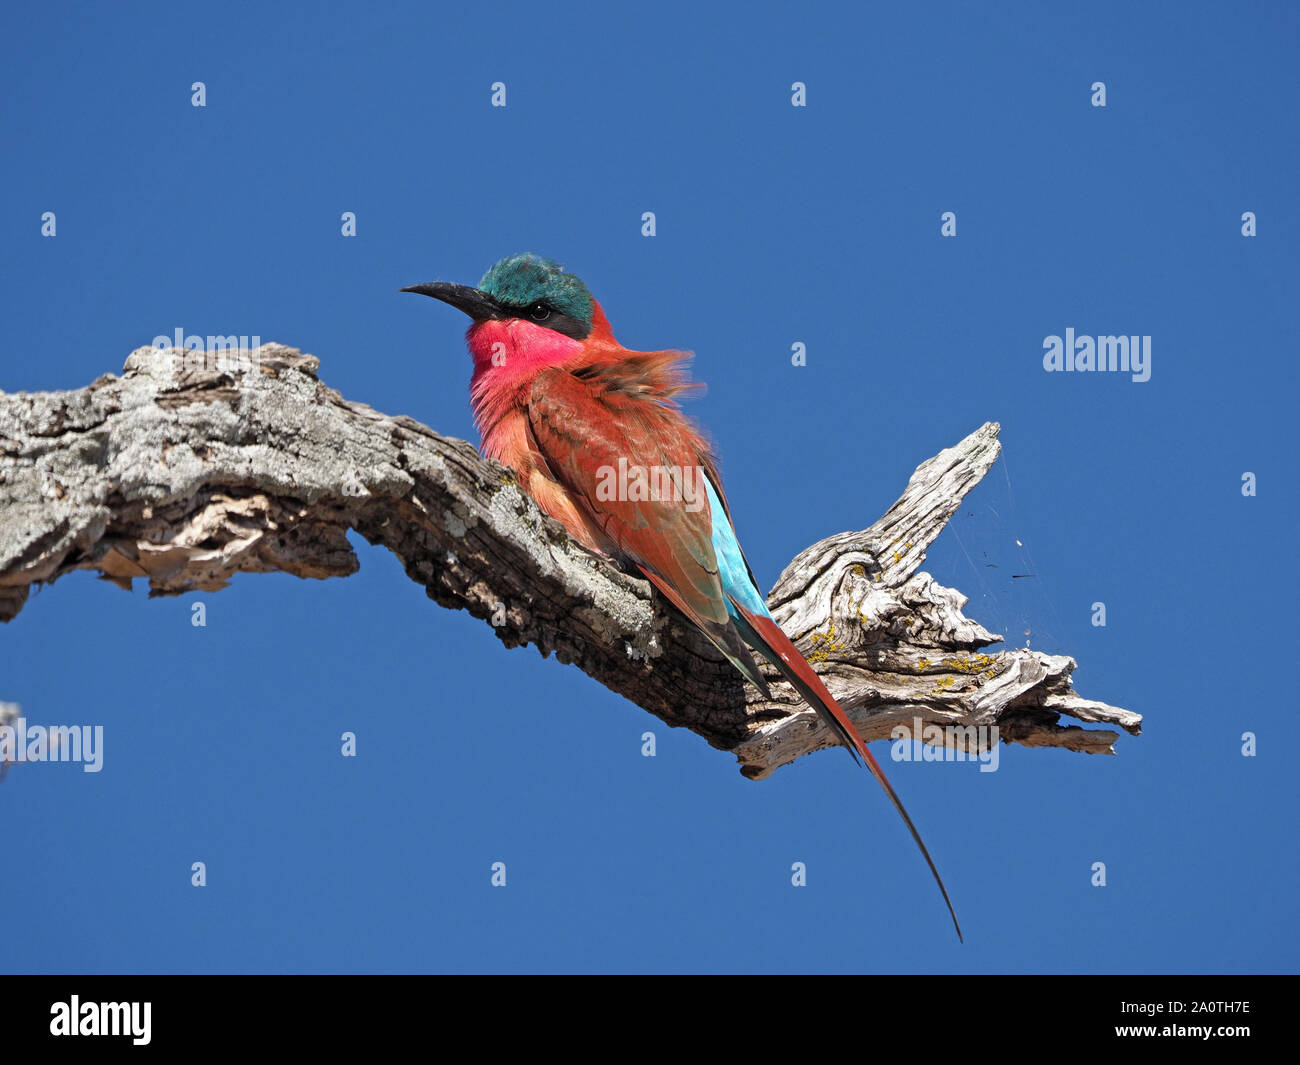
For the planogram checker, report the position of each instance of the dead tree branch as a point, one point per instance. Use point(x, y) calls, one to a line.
point(186, 474)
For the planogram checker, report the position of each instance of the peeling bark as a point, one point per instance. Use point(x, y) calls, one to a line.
point(185, 474)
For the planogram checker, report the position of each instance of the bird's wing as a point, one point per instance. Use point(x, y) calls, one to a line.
point(598, 442)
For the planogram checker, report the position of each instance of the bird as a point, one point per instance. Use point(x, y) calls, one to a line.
point(596, 435)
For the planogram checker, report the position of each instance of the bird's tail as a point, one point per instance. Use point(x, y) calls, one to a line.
point(766, 636)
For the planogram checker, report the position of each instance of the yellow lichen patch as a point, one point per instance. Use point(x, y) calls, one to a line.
point(941, 683)
point(971, 664)
point(921, 663)
point(825, 643)
point(858, 569)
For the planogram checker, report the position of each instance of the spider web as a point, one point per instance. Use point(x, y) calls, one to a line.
point(1009, 592)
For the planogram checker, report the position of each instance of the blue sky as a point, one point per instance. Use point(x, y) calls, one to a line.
point(775, 224)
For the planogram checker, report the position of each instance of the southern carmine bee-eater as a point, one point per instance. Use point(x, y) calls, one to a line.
point(569, 409)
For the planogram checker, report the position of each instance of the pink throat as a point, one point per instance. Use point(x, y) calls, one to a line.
point(518, 347)
point(507, 356)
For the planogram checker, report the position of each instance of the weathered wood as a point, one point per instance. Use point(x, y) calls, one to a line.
point(185, 474)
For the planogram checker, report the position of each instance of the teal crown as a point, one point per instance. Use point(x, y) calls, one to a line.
point(523, 280)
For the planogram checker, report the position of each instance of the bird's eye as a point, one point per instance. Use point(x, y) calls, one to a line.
point(539, 312)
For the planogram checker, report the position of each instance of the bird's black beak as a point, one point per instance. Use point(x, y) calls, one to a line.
point(477, 304)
